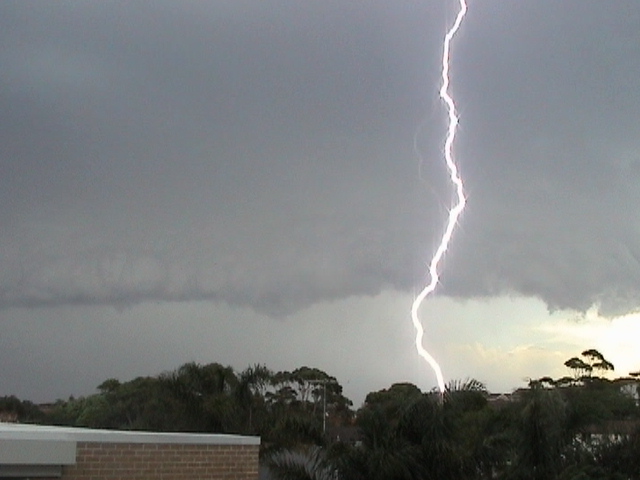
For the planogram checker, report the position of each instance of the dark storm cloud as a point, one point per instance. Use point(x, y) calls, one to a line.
point(260, 153)
point(552, 153)
point(235, 153)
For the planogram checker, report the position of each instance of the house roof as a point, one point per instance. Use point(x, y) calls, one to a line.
point(17, 431)
point(22, 444)
point(615, 427)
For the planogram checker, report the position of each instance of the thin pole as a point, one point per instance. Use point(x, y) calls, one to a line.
point(324, 408)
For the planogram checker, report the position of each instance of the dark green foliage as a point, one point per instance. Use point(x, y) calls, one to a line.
point(572, 428)
point(382, 454)
point(250, 397)
point(285, 408)
point(305, 464)
point(542, 436)
point(594, 361)
point(294, 431)
point(596, 401)
point(621, 459)
point(203, 395)
point(406, 434)
point(22, 411)
point(578, 366)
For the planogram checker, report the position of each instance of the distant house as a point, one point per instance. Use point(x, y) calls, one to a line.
point(630, 387)
point(46, 452)
point(612, 431)
point(8, 416)
point(345, 433)
point(498, 400)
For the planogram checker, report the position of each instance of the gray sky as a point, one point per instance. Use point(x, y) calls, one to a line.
point(237, 182)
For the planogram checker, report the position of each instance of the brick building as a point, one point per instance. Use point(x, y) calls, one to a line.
point(46, 452)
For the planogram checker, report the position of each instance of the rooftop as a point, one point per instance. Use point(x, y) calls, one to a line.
point(18, 431)
point(41, 450)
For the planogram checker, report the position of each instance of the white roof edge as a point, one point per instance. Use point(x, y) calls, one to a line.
point(9, 431)
point(36, 452)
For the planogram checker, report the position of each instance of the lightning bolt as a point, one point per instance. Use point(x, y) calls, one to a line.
point(457, 208)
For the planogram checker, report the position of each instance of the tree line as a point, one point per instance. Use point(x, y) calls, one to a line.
point(581, 426)
point(285, 408)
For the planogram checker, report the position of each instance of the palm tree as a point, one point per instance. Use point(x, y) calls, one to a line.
point(305, 464)
point(250, 391)
point(384, 452)
point(543, 435)
point(409, 435)
point(480, 435)
point(204, 391)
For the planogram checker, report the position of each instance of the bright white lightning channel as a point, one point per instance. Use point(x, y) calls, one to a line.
point(457, 208)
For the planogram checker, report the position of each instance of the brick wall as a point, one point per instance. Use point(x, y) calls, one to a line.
point(164, 461)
